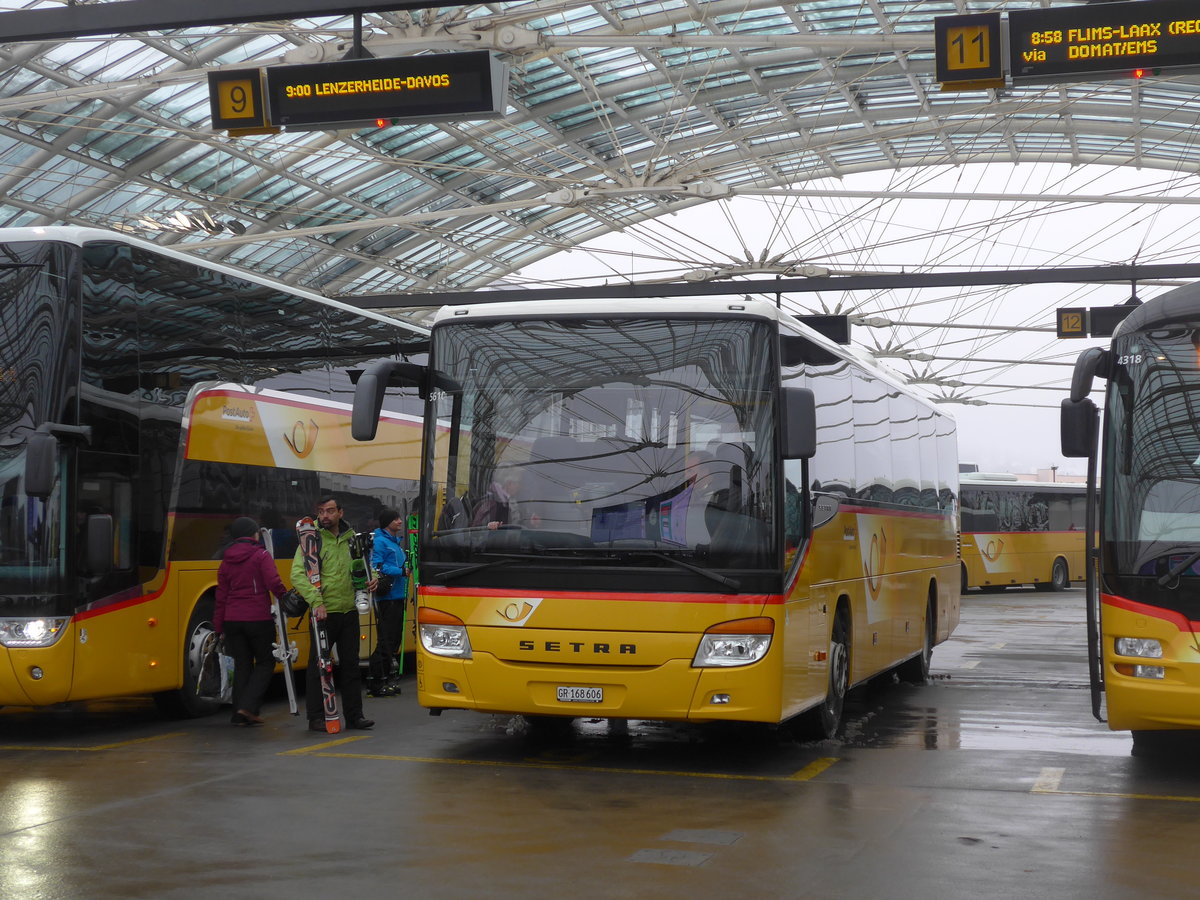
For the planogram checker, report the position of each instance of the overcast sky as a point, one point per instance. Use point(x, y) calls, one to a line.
point(1018, 430)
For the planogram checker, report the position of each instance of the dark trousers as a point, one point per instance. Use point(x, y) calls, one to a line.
point(389, 628)
point(249, 643)
point(343, 632)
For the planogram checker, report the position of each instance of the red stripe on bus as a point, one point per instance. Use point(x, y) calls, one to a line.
point(769, 599)
point(332, 406)
point(1068, 531)
point(1178, 620)
point(105, 608)
point(891, 511)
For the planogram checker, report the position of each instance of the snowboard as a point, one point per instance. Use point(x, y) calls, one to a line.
point(360, 575)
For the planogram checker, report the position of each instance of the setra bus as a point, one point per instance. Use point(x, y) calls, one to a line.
point(146, 400)
point(1021, 532)
point(1144, 589)
point(695, 510)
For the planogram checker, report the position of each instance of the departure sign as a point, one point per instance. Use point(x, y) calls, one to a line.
point(1093, 41)
point(358, 92)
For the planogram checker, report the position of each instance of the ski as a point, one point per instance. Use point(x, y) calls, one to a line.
point(283, 650)
point(310, 550)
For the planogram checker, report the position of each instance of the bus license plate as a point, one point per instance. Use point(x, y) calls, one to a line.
point(580, 695)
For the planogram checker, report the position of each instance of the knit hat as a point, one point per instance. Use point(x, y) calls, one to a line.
point(243, 527)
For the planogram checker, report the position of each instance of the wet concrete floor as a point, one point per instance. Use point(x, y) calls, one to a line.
point(993, 780)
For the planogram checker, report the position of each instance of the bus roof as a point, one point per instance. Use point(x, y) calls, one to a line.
point(1003, 481)
point(78, 236)
point(1179, 305)
point(679, 306)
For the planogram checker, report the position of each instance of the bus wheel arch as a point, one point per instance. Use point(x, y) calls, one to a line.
point(916, 670)
point(182, 703)
point(824, 720)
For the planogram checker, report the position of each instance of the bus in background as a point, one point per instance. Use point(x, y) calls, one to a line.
point(1021, 532)
point(1144, 592)
point(148, 400)
point(686, 510)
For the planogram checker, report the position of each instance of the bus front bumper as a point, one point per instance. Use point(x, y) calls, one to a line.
point(674, 690)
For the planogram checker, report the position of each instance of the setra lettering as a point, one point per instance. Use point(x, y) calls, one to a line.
point(598, 648)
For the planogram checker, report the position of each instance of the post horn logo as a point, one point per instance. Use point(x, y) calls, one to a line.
point(303, 438)
point(874, 562)
point(518, 611)
point(992, 550)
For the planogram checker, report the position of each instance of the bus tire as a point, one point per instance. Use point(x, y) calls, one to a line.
point(1060, 576)
point(183, 702)
point(824, 721)
point(964, 578)
point(916, 670)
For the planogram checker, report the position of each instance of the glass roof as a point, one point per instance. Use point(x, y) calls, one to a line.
point(116, 131)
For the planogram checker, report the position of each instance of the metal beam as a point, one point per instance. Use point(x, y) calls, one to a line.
point(630, 291)
point(127, 16)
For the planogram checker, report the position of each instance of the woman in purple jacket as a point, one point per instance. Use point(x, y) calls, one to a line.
point(243, 615)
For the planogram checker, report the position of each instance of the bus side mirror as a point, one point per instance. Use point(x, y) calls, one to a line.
point(1078, 421)
point(41, 464)
point(372, 384)
point(799, 423)
point(99, 553)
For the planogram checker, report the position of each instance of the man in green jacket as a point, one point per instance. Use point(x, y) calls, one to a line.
point(333, 605)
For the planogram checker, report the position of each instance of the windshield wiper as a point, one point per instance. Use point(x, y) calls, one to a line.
point(730, 584)
point(454, 574)
point(1178, 570)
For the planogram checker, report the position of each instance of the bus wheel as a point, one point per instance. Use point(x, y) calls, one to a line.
point(183, 703)
point(916, 670)
point(824, 721)
point(1060, 578)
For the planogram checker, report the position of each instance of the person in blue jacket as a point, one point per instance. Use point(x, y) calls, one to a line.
point(388, 559)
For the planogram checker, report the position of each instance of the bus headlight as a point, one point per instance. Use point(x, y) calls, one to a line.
point(31, 631)
point(736, 643)
point(443, 634)
point(1147, 647)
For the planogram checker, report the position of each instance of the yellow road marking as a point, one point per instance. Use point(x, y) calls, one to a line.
point(816, 767)
point(299, 751)
point(1048, 783)
point(117, 746)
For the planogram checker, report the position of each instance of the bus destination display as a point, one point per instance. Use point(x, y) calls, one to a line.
point(1078, 43)
point(360, 91)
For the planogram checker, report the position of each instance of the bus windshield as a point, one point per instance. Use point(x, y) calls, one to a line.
point(38, 368)
point(609, 442)
point(1152, 456)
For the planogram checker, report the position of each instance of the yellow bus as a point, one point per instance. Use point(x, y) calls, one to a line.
point(679, 510)
point(1021, 532)
point(1144, 590)
point(149, 399)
